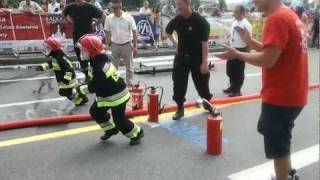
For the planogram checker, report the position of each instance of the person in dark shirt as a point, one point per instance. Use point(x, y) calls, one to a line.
point(81, 14)
point(192, 55)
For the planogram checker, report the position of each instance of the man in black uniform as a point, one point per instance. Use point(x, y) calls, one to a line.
point(81, 14)
point(192, 55)
point(110, 89)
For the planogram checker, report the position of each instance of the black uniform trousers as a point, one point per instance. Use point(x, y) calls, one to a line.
point(235, 72)
point(68, 93)
point(101, 115)
point(182, 65)
point(84, 64)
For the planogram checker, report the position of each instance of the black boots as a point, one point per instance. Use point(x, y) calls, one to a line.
point(179, 114)
point(108, 134)
point(136, 140)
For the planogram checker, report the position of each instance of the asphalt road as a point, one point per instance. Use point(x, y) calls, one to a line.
point(174, 150)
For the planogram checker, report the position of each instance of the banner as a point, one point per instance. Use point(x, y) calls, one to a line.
point(146, 31)
point(26, 31)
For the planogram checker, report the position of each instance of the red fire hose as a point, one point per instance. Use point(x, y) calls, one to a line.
point(86, 117)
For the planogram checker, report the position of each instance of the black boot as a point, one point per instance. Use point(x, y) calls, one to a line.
point(108, 134)
point(227, 91)
point(179, 114)
point(235, 94)
point(137, 140)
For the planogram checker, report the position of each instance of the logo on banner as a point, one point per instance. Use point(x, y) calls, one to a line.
point(144, 28)
point(55, 19)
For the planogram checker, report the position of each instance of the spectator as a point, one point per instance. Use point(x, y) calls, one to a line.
point(201, 10)
point(299, 11)
point(3, 4)
point(81, 14)
point(30, 6)
point(145, 10)
point(96, 4)
point(315, 31)
point(121, 35)
point(216, 12)
point(44, 5)
point(108, 9)
point(62, 6)
point(235, 67)
point(156, 22)
point(283, 57)
point(54, 7)
point(168, 10)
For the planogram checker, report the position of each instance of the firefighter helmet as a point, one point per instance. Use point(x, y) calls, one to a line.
point(90, 45)
point(52, 44)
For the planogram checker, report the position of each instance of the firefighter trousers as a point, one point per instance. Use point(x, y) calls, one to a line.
point(102, 117)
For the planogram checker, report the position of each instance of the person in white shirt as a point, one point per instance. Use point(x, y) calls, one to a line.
point(168, 10)
point(30, 6)
point(145, 10)
point(235, 68)
point(54, 7)
point(121, 36)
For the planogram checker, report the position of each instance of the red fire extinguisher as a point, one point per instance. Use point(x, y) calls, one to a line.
point(154, 104)
point(214, 133)
point(137, 94)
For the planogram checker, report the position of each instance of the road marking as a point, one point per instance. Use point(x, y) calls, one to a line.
point(26, 79)
point(140, 119)
point(79, 76)
point(253, 74)
point(32, 102)
point(264, 171)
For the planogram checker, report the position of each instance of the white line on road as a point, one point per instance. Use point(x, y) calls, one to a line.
point(27, 79)
point(32, 102)
point(79, 76)
point(264, 171)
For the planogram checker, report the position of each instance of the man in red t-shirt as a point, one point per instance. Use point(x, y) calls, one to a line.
point(283, 58)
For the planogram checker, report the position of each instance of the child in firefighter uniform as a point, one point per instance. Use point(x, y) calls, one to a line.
point(59, 62)
point(110, 89)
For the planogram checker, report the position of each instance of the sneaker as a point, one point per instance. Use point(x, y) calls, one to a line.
point(137, 140)
point(108, 134)
point(179, 114)
point(207, 106)
point(227, 91)
point(293, 175)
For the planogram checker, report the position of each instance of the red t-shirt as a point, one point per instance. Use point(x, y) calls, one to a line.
point(286, 83)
